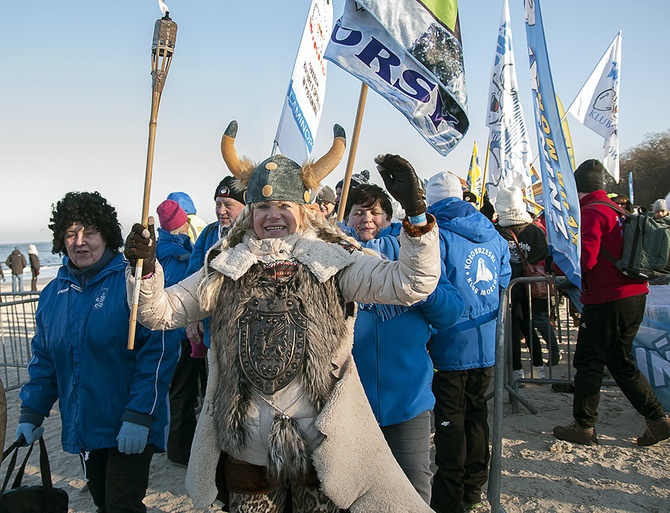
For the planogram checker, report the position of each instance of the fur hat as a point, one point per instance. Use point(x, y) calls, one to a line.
point(171, 215)
point(230, 188)
point(660, 204)
point(278, 178)
point(590, 176)
point(511, 207)
point(443, 185)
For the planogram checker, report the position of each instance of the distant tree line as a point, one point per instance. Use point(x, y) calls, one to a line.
point(649, 162)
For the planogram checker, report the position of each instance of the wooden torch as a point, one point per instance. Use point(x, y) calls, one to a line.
point(162, 48)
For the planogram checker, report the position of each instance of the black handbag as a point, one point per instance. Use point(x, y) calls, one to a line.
point(31, 499)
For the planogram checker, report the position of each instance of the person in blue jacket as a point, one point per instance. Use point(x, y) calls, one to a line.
point(230, 202)
point(390, 343)
point(173, 250)
point(112, 400)
point(478, 264)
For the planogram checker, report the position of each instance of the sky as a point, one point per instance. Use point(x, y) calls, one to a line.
point(75, 94)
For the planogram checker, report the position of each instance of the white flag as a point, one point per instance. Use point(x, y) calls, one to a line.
point(303, 105)
point(597, 104)
point(509, 157)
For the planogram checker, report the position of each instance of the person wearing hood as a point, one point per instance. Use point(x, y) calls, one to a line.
point(477, 262)
point(195, 224)
point(390, 343)
point(34, 260)
point(17, 263)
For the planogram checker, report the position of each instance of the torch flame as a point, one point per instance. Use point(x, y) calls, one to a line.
point(164, 8)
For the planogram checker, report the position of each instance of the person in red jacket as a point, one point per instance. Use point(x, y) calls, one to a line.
point(613, 310)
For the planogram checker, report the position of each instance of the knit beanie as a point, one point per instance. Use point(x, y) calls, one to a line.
point(171, 215)
point(660, 204)
point(443, 185)
point(511, 207)
point(590, 176)
point(356, 179)
point(326, 194)
point(229, 188)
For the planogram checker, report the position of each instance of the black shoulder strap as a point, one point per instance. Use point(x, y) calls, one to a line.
point(614, 207)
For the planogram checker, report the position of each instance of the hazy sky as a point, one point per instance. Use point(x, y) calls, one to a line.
point(75, 94)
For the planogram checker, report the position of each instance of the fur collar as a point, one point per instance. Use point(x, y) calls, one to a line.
point(324, 259)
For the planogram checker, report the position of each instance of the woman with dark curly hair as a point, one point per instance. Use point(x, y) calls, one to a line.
point(113, 401)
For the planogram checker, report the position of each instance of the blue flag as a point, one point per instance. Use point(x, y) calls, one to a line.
point(559, 192)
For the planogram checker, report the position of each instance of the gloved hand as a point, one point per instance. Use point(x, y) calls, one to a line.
point(198, 350)
point(402, 183)
point(141, 243)
point(132, 437)
point(30, 432)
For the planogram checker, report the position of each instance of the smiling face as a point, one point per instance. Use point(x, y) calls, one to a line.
point(84, 245)
point(368, 221)
point(273, 219)
point(227, 210)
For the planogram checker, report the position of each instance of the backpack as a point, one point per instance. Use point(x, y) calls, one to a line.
point(646, 245)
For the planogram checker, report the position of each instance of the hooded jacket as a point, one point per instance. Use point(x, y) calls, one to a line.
point(16, 262)
point(355, 467)
point(602, 229)
point(80, 358)
point(478, 264)
point(390, 344)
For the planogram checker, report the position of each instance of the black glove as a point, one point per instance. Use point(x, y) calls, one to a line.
point(402, 183)
point(141, 243)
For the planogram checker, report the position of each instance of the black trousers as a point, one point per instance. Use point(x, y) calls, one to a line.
point(461, 438)
point(184, 390)
point(118, 482)
point(605, 337)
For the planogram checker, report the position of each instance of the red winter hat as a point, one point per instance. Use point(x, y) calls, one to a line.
point(171, 215)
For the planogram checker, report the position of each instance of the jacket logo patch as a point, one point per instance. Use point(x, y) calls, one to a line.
point(100, 299)
point(481, 271)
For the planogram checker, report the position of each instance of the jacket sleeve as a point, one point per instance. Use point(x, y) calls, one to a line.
point(155, 360)
point(166, 309)
point(445, 305)
point(41, 391)
point(402, 282)
point(505, 266)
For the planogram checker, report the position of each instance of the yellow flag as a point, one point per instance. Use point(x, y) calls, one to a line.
point(475, 176)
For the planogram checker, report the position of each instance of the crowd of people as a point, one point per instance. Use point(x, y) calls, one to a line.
point(294, 363)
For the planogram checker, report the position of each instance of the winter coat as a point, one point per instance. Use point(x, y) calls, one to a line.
point(355, 467)
point(477, 260)
point(80, 358)
point(602, 229)
point(390, 344)
point(16, 262)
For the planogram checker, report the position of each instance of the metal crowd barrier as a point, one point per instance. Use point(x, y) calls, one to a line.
point(17, 328)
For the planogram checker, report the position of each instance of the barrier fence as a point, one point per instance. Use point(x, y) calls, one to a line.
point(17, 328)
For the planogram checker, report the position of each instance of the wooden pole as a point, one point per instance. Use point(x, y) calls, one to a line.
point(480, 201)
point(352, 151)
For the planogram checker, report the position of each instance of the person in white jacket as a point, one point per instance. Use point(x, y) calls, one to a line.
point(284, 409)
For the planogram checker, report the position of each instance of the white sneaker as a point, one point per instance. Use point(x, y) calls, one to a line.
point(517, 374)
point(538, 372)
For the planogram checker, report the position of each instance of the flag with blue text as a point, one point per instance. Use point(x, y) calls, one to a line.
point(409, 52)
point(474, 179)
point(559, 192)
point(509, 155)
point(597, 104)
point(303, 104)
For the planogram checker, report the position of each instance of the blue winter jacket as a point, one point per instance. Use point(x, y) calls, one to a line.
point(80, 357)
point(206, 240)
point(173, 252)
point(390, 344)
point(477, 262)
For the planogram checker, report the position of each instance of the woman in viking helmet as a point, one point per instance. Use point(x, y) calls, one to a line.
point(284, 410)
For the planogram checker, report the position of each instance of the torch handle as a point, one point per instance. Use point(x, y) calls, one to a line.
point(155, 103)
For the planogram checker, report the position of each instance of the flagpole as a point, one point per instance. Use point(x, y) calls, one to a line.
point(480, 201)
point(352, 151)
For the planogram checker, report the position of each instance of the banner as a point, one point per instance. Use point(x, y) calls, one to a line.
point(559, 193)
point(597, 104)
point(631, 192)
point(474, 180)
point(303, 104)
point(509, 149)
point(410, 53)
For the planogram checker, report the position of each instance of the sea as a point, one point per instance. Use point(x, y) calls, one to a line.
point(49, 263)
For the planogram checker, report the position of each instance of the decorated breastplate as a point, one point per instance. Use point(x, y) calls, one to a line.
point(272, 337)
